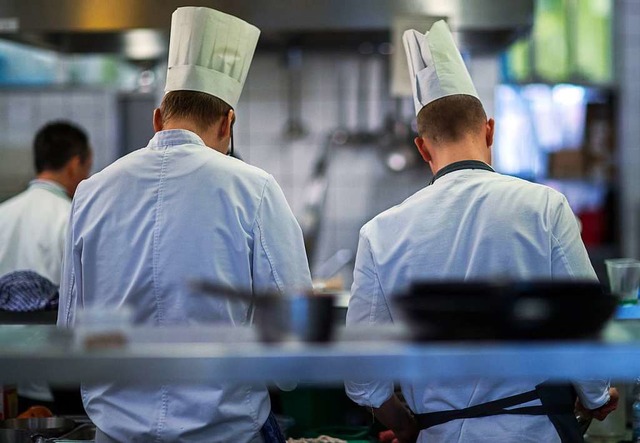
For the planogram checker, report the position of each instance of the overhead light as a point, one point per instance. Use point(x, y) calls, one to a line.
point(144, 44)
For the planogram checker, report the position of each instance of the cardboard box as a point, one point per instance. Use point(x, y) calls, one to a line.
point(568, 163)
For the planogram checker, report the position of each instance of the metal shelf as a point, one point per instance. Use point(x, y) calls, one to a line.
point(42, 353)
point(628, 312)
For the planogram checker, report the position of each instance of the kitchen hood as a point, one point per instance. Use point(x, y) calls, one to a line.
point(83, 26)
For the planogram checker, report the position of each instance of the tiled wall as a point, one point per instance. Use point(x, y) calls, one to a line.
point(24, 111)
point(360, 184)
point(628, 66)
point(337, 91)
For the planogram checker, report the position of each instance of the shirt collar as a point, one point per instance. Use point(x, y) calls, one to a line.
point(174, 137)
point(458, 166)
point(49, 185)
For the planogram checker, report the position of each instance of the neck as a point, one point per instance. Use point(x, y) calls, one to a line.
point(447, 154)
point(59, 178)
point(208, 136)
point(183, 124)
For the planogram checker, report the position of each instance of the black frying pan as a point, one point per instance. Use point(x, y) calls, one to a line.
point(505, 310)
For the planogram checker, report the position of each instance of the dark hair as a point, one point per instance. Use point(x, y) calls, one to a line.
point(201, 108)
point(57, 143)
point(450, 118)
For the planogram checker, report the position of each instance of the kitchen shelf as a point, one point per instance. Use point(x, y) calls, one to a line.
point(178, 354)
point(628, 312)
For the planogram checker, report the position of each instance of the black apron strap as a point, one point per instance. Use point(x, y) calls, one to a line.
point(561, 400)
point(487, 409)
point(557, 403)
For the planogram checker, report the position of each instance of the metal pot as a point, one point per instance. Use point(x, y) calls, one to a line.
point(15, 436)
point(280, 318)
point(34, 429)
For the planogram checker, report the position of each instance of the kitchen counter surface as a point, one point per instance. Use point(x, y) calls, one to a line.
point(232, 354)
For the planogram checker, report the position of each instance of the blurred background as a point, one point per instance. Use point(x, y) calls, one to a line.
point(327, 108)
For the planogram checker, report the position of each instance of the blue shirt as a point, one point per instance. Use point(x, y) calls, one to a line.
point(138, 231)
point(469, 224)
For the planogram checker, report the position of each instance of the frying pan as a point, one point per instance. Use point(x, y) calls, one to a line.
point(505, 310)
point(281, 318)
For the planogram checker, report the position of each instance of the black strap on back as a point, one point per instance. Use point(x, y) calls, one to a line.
point(557, 403)
point(495, 407)
point(564, 420)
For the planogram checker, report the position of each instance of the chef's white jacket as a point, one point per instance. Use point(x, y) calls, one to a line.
point(33, 225)
point(139, 230)
point(469, 224)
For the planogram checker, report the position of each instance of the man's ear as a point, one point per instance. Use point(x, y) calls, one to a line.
point(227, 124)
point(421, 144)
point(72, 166)
point(490, 126)
point(157, 120)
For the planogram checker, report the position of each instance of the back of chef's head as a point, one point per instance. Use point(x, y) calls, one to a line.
point(56, 143)
point(210, 53)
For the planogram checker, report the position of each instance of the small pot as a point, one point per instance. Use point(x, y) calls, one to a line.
point(15, 436)
point(35, 429)
point(282, 318)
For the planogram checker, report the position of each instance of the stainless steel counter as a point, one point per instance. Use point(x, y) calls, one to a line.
point(232, 354)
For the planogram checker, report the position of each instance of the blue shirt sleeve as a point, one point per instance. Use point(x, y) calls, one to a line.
point(367, 306)
point(569, 260)
point(569, 257)
point(279, 258)
point(69, 284)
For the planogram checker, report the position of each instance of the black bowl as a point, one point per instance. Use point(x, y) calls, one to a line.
point(534, 310)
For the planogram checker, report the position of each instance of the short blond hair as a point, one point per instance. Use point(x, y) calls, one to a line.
point(201, 108)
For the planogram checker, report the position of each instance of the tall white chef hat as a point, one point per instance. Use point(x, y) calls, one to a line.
point(211, 52)
point(435, 65)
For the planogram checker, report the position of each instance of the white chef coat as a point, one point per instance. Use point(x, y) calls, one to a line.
point(138, 231)
point(469, 224)
point(33, 225)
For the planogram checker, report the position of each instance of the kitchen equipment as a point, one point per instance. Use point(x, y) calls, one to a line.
point(82, 434)
point(624, 278)
point(43, 427)
point(282, 318)
point(536, 310)
point(15, 436)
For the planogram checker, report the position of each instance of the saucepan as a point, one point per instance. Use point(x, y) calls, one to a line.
point(33, 430)
point(301, 317)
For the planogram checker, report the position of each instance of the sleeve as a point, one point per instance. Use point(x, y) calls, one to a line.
point(593, 393)
point(569, 259)
point(71, 281)
point(367, 306)
point(279, 257)
point(52, 260)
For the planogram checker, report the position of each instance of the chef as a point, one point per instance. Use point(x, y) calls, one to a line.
point(469, 223)
point(33, 224)
point(182, 208)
